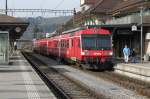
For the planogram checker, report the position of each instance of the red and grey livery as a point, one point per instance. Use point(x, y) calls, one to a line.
point(89, 47)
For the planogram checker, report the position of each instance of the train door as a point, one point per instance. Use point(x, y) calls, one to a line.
point(77, 48)
point(72, 49)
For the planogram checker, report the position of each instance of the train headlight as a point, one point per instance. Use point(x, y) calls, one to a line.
point(110, 53)
point(84, 53)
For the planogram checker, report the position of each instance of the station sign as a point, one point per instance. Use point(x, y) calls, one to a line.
point(134, 28)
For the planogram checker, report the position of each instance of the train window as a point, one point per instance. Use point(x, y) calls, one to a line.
point(79, 43)
point(64, 43)
point(70, 43)
point(55, 44)
point(96, 42)
point(61, 43)
point(44, 46)
point(67, 43)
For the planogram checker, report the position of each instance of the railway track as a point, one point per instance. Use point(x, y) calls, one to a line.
point(139, 86)
point(62, 87)
point(136, 85)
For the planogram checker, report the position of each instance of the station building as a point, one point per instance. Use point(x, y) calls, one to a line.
point(119, 16)
point(10, 29)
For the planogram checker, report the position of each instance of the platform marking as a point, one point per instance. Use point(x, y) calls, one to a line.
point(31, 89)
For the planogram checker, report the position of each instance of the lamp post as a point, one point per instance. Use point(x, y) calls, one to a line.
point(141, 15)
point(134, 28)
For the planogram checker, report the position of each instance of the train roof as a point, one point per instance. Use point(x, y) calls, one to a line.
point(82, 28)
point(73, 30)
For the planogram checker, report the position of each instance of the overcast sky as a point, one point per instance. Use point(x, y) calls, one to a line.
point(39, 4)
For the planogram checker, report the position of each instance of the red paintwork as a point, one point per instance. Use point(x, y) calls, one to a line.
point(51, 46)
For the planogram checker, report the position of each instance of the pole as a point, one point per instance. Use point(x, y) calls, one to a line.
point(141, 14)
point(6, 8)
point(74, 14)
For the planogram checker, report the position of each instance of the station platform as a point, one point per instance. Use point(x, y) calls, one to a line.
point(140, 71)
point(19, 81)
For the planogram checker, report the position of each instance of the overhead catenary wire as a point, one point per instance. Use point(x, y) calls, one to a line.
point(12, 11)
point(42, 4)
point(59, 4)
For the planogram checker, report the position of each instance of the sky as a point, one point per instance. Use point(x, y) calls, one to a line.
point(41, 4)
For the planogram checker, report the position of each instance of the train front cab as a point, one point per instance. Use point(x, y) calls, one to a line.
point(96, 51)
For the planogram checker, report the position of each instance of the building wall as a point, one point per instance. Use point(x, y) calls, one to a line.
point(130, 18)
point(147, 43)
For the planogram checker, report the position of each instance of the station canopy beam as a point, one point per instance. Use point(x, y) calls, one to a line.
point(48, 11)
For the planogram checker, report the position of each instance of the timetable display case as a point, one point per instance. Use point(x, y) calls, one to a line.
point(4, 47)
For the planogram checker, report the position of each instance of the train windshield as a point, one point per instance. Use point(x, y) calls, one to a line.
point(96, 42)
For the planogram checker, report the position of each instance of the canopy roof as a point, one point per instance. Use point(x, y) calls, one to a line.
point(14, 26)
point(113, 7)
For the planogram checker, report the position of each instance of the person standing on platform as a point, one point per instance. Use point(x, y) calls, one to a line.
point(134, 56)
point(126, 53)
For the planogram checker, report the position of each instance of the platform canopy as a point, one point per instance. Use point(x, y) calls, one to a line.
point(15, 26)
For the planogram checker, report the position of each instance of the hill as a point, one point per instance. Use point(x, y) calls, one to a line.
point(44, 25)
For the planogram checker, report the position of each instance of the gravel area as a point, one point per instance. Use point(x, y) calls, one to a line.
point(98, 85)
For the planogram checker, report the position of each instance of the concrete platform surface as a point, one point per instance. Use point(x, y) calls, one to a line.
point(140, 71)
point(19, 81)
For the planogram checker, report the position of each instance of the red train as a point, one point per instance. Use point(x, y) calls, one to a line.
point(89, 47)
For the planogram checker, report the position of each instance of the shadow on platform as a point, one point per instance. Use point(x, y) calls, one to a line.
point(12, 71)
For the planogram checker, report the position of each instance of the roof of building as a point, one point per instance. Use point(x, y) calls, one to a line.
point(9, 19)
point(129, 4)
point(104, 6)
point(115, 6)
point(90, 1)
